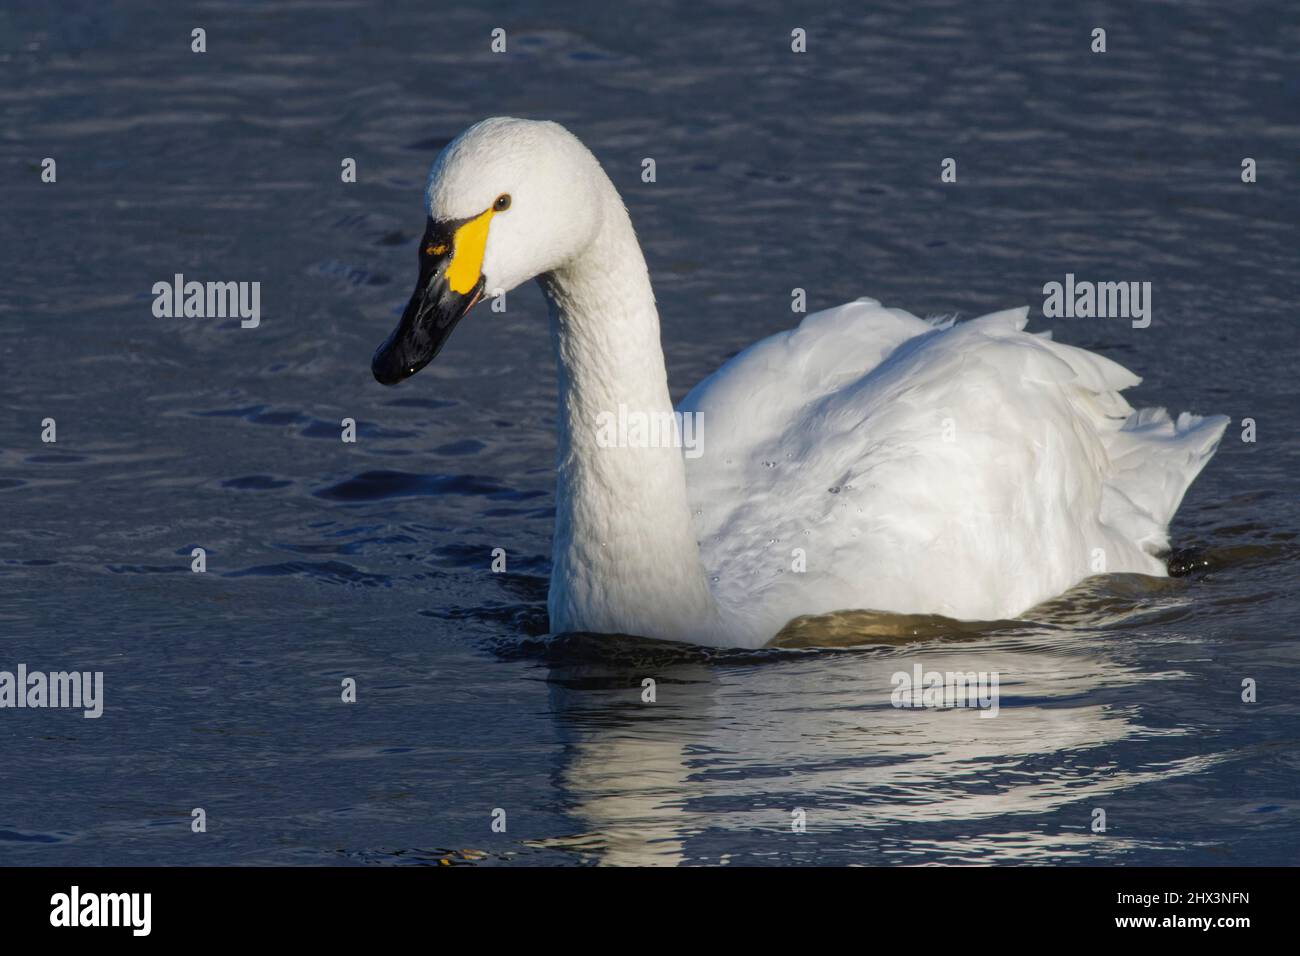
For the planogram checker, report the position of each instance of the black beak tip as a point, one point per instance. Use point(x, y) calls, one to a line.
point(428, 319)
point(387, 369)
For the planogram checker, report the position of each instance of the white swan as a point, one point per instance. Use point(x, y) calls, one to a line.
point(866, 459)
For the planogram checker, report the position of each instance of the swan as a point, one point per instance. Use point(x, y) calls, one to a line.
point(865, 459)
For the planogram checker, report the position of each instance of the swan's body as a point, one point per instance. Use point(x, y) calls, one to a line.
point(866, 459)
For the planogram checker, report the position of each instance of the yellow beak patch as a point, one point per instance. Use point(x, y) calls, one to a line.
point(467, 253)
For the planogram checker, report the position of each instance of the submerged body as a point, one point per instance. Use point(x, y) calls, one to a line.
point(866, 459)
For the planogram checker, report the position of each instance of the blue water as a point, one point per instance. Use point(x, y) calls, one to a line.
point(370, 561)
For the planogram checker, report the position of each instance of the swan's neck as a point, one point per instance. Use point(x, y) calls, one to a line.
point(625, 558)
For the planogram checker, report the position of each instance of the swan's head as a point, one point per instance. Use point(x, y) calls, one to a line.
point(508, 200)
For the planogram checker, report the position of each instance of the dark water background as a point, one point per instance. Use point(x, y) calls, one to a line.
point(370, 561)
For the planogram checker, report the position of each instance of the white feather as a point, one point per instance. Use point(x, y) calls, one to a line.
point(971, 469)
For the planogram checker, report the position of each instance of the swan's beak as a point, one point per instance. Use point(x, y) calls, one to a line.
point(443, 294)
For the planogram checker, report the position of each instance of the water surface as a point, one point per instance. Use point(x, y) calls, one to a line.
point(370, 561)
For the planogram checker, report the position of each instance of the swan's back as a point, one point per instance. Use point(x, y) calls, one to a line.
point(971, 471)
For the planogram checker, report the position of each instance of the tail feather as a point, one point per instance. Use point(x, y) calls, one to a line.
point(1154, 460)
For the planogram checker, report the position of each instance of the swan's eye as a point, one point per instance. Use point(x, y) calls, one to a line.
point(502, 203)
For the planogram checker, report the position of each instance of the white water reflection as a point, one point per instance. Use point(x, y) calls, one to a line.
point(737, 748)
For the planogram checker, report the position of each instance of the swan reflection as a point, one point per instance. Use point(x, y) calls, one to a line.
point(739, 743)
